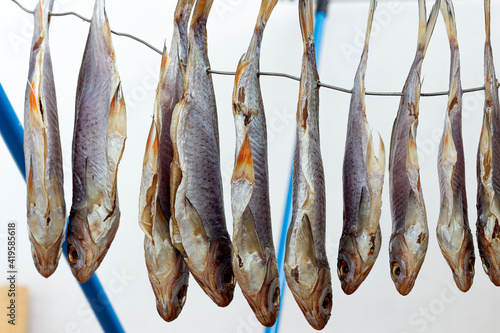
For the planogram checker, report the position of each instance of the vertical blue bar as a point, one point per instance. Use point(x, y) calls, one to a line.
point(318, 36)
point(13, 135)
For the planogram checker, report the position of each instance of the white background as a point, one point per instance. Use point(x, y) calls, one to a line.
point(435, 304)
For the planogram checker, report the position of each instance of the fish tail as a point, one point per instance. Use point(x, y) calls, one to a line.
point(449, 19)
point(306, 20)
point(371, 13)
point(487, 17)
point(266, 8)
point(425, 29)
point(201, 11)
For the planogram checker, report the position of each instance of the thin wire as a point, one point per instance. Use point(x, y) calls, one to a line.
point(288, 76)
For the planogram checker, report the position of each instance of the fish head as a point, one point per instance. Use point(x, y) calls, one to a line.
point(169, 282)
point(46, 258)
point(489, 250)
point(84, 255)
point(356, 258)
point(265, 303)
point(462, 263)
point(217, 280)
point(317, 307)
point(405, 264)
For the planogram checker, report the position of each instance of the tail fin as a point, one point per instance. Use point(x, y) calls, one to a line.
point(201, 11)
point(306, 20)
point(449, 19)
point(371, 13)
point(487, 17)
point(266, 8)
point(425, 30)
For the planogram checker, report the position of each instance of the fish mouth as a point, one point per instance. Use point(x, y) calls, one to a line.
point(217, 280)
point(404, 264)
point(84, 255)
point(46, 259)
point(490, 257)
point(462, 263)
point(352, 270)
point(317, 308)
point(266, 302)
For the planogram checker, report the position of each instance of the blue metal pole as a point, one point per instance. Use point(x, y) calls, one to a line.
point(12, 133)
point(320, 17)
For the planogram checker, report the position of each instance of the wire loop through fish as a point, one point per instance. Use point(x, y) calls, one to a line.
point(288, 76)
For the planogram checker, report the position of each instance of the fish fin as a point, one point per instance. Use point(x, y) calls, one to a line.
point(425, 29)
point(36, 115)
point(241, 68)
point(306, 20)
point(364, 206)
point(375, 165)
point(175, 236)
point(449, 151)
point(164, 57)
point(195, 220)
point(304, 240)
point(243, 179)
point(266, 8)
point(449, 19)
point(149, 184)
point(412, 167)
point(116, 134)
point(31, 190)
point(381, 154)
point(201, 11)
point(248, 242)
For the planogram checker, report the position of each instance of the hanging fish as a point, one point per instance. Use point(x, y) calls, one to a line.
point(167, 270)
point(198, 224)
point(306, 266)
point(410, 234)
point(254, 258)
point(488, 165)
point(42, 152)
point(453, 232)
point(98, 144)
point(363, 179)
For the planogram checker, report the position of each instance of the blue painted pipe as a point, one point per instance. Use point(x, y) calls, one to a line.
point(13, 134)
point(320, 18)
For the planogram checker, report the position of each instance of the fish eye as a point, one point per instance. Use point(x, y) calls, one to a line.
point(486, 265)
point(181, 295)
point(276, 298)
point(72, 254)
point(342, 269)
point(470, 265)
point(395, 269)
point(327, 302)
point(228, 277)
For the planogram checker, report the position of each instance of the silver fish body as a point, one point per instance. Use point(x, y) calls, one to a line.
point(98, 144)
point(453, 232)
point(363, 179)
point(46, 209)
point(488, 168)
point(198, 225)
point(410, 233)
point(254, 258)
point(167, 270)
point(306, 265)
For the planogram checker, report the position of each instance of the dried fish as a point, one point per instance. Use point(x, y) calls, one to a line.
point(98, 144)
point(306, 266)
point(488, 168)
point(363, 180)
point(254, 258)
point(46, 209)
point(410, 234)
point(198, 225)
point(453, 232)
point(167, 270)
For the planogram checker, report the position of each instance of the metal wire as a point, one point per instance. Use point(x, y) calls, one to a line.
point(288, 76)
